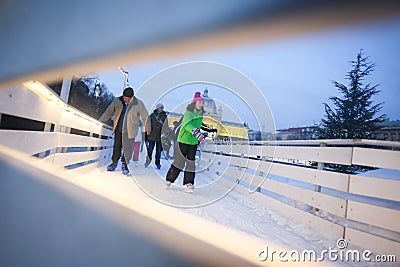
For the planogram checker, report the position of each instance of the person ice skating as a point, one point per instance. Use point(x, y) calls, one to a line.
point(188, 138)
point(117, 108)
point(137, 143)
point(135, 112)
point(156, 122)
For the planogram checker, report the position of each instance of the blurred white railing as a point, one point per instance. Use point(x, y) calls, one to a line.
point(364, 210)
point(71, 225)
point(61, 134)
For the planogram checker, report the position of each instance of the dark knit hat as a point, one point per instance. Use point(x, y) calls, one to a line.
point(128, 92)
point(197, 97)
point(160, 105)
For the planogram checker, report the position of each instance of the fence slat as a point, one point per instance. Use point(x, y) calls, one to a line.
point(376, 158)
point(334, 230)
point(105, 131)
point(373, 215)
point(28, 142)
point(329, 179)
point(256, 151)
point(367, 186)
point(22, 102)
point(337, 155)
point(65, 159)
point(316, 199)
point(232, 160)
point(203, 163)
point(71, 140)
point(79, 120)
point(223, 170)
point(372, 242)
point(87, 168)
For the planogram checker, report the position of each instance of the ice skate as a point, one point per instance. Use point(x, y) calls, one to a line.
point(125, 170)
point(189, 188)
point(112, 167)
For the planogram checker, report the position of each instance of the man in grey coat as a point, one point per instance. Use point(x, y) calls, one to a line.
point(118, 108)
point(135, 111)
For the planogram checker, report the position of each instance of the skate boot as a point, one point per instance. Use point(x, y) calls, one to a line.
point(189, 188)
point(112, 167)
point(125, 169)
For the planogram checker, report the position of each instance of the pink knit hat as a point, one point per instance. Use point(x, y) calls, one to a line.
point(197, 97)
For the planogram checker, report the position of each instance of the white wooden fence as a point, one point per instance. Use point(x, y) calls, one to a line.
point(364, 210)
point(71, 226)
point(68, 138)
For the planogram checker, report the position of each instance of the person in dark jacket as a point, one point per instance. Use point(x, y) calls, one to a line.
point(188, 138)
point(156, 121)
point(117, 108)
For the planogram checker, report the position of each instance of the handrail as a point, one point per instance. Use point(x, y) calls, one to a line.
point(284, 176)
point(42, 89)
point(64, 129)
point(325, 141)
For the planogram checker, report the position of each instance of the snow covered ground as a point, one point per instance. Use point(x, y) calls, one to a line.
point(219, 201)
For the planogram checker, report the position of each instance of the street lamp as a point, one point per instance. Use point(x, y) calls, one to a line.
point(97, 93)
point(126, 74)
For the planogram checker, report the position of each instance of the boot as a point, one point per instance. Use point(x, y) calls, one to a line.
point(112, 167)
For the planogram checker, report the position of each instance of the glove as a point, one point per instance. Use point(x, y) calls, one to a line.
point(196, 132)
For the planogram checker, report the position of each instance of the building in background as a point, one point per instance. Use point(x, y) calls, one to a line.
point(297, 133)
point(227, 130)
point(390, 131)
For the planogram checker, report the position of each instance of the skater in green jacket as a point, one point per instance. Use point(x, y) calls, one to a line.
point(189, 137)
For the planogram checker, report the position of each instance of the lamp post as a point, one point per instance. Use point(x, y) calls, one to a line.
point(126, 73)
point(97, 93)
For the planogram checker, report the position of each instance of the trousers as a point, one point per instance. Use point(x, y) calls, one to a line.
point(117, 148)
point(128, 147)
point(185, 156)
point(150, 149)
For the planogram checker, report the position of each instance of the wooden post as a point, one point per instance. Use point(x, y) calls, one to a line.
point(317, 188)
point(65, 130)
point(65, 88)
point(47, 127)
point(61, 129)
point(90, 148)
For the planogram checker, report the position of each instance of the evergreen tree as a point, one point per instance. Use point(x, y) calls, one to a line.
point(354, 115)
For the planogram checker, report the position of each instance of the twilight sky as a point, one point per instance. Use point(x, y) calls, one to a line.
point(294, 73)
